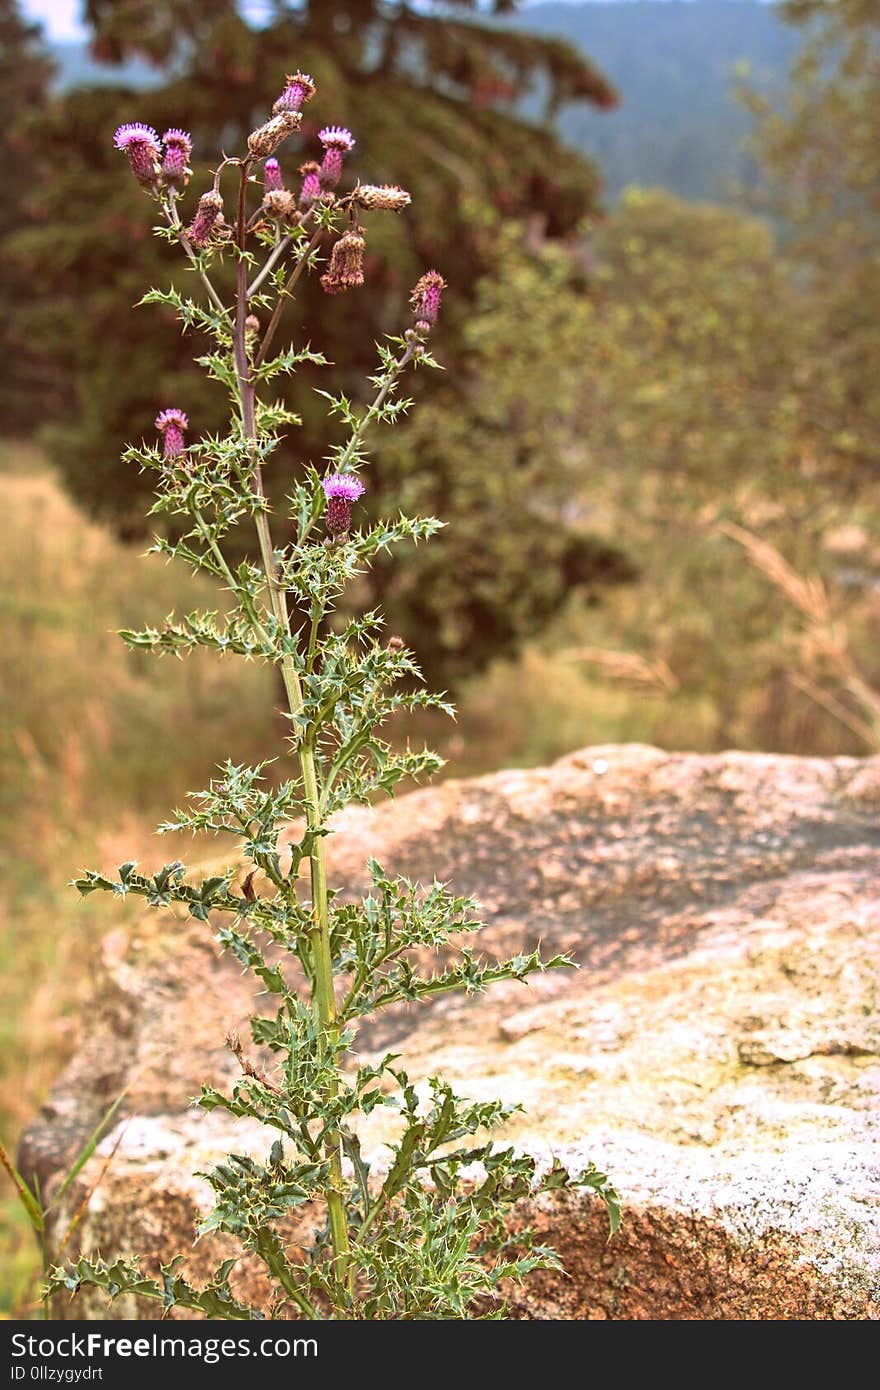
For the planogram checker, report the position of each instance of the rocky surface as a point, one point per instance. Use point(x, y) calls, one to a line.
point(718, 1051)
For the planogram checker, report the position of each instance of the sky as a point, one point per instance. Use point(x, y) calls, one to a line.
point(61, 18)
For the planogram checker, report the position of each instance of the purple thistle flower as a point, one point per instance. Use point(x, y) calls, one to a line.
point(208, 214)
point(340, 489)
point(343, 485)
point(336, 137)
point(311, 183)
point(141, 144)
point(425, 299)
point(134, 132)
point(331, 168)
point(300, 88)
point(175, 162)
point(337, 141)
point(272, 180)
point(171, 425)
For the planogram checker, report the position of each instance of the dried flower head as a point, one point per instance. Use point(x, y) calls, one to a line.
point(311, 183)
point(171, 425)
point(346, 268)
point(425, 299)
point(272, 180)
point(337, 141)
point(175, 161)
point(141, 144)
point(300, 88)
point(280, 204)
point(340, 489)
point(266, 139)
point(385, 197)
point(209, 214)
point(252, 324)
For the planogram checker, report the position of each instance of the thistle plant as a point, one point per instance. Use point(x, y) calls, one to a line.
point(424, 1232)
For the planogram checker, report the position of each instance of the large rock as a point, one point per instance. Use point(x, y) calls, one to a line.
point(717, 1051)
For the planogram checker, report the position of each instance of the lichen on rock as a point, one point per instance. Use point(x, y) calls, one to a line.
point(718, 1051)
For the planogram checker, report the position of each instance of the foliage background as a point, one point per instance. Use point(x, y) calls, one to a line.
point(629, 371)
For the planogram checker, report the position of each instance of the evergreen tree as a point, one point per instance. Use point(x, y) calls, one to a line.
point(437, 89)
point(24, 76)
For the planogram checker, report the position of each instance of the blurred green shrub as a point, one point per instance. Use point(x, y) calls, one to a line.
point(25, 72)
point(820, 149)
point(678, 391)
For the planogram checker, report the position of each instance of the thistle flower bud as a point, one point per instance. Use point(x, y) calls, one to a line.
point(340, 489)
point(300, 89)
point(346, 267)
point(272, 180)
point(337, 141)
point(425, 300)
point(311, 183)
point(396, 644)
point(386, 197)
point(141, 144)
point(175, 161)
point(208, 214)
point(266, 139)
point(171, 425)
point(280, 204)
point(252, 324)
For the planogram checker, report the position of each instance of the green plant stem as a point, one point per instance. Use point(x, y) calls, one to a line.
point(314, 629)
point(284, 295)
point(224, 569)
point(174, 218)
point(220, 558)
point(277, 252)
point(373, 409)
point(276, 1263)
point(371, 1215)
point(369, 415)
point(322, 962)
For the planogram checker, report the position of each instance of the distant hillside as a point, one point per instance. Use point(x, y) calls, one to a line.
point(673, 62)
